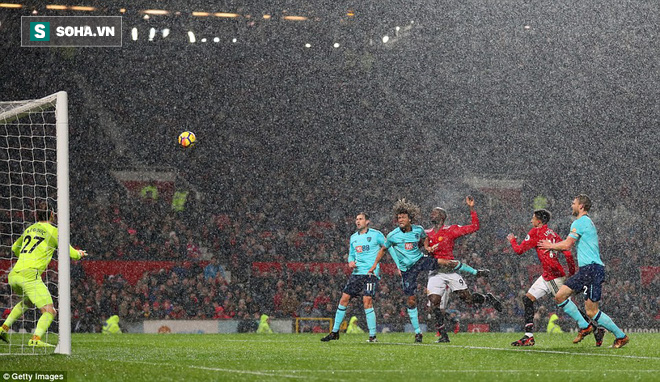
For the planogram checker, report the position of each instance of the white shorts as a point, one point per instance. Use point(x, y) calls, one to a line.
point(541, 287)
point(442, 284)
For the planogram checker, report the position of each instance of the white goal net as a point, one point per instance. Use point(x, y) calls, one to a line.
point(34, 168)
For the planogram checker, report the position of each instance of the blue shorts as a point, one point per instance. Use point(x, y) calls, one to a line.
point(589, 279)
point(361, 285)
point(409, 277)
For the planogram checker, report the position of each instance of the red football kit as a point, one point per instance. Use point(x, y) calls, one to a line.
point(446, 235)
point(549, 259)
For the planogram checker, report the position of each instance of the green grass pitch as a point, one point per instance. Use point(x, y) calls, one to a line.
point(253, 357)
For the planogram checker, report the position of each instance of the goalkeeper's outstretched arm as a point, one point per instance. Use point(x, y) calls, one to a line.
point(77, 254)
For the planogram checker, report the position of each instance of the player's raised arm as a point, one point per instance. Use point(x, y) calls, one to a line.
point(474, 224)
point(523, 247)
point(469, 200)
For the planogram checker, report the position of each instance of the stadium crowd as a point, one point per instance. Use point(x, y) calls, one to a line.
point(208, 246)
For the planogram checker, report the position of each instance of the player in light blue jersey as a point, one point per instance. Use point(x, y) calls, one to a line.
point(404, 245)
point(364, 246)
point(590, 275)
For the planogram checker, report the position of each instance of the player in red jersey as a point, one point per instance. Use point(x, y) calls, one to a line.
point(553, 276)
point(440, 244)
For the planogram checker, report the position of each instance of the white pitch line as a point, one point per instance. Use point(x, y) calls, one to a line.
point(529, 350)
point(269, 374)
point(265, 374)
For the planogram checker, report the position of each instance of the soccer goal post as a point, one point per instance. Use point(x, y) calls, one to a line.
point(34, 166)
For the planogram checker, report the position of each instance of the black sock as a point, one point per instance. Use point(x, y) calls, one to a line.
point(439, 319)
point(529, 314)
point(478, 298)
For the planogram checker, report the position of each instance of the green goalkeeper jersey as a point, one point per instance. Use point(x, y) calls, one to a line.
point(35, 247)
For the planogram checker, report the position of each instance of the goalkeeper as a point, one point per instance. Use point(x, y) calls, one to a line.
point(34, 250)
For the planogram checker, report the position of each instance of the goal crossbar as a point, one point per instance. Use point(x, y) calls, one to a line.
point(24, 109)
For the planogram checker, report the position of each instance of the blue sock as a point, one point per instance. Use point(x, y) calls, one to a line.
point(371, 321)
point(412, 313)
point(605, 321)
point(461, 267)
point(572, 310)
point(339, 317)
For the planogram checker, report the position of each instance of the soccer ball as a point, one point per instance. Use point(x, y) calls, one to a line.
point(187, 139)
